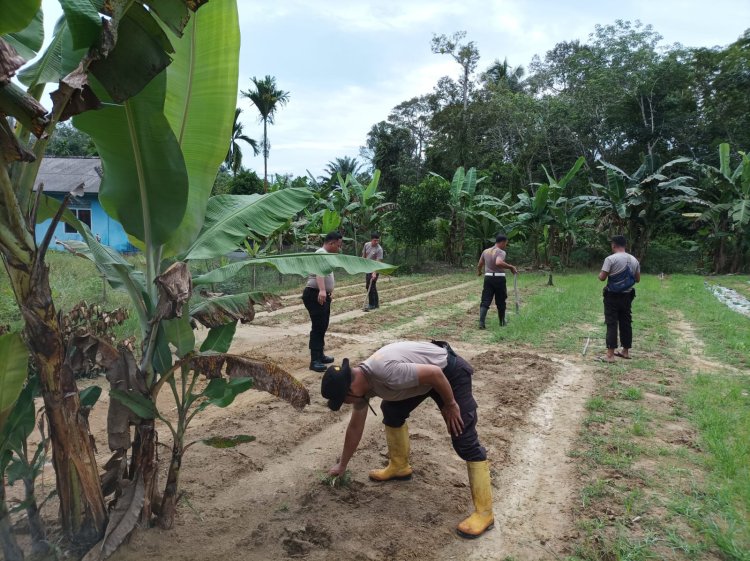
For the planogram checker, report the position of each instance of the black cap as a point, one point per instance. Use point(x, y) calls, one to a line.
point(335, 384)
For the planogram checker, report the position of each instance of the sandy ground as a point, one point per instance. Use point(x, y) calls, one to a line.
point(265, 499)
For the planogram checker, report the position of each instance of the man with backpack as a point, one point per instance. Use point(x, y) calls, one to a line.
point(621, 271)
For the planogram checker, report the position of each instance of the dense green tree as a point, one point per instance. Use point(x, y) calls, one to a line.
point(391, 149)
point(456, 125)
point(413, 220)
point(268, 99)
point(69, 141)
point(246, 182)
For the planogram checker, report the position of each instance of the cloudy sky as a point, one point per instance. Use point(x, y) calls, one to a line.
point(346, 63)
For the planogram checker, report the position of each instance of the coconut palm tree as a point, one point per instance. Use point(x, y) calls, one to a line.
point(267, 98)
point(344, 166)
point(502, 75)
point(233, 161)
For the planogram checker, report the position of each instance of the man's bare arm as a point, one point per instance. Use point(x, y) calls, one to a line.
point(354, 431)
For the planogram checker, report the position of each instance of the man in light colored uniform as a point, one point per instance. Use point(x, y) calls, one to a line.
point(372, 250)
point(404, 374)
point(492, 262)
point(317, 299)
point(621, 271)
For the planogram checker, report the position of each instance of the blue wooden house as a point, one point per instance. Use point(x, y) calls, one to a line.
point(60, 176)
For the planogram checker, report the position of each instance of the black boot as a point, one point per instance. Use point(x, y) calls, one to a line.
point(482, 317)
point(316, 361)
point(327, 359)
point(501, 317)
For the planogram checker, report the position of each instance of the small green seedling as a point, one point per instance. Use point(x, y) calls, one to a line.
point(337, 481)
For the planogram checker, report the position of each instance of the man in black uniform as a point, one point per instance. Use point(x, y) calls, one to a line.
point(317, 299)
point(404, 374)
point(492, 262)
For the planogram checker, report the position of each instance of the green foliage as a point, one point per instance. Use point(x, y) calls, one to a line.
point(17, 15)
point(14, 357)
point(138, 150)
point(245, 182)
point(417, 207)
point(69, 141)
point(219, 339)
point(221, 393)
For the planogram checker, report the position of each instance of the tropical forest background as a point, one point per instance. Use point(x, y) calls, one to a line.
point(620, 133)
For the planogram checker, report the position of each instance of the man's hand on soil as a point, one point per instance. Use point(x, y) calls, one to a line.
point(337, 469)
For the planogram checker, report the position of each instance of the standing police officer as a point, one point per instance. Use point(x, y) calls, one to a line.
point(492, 261)
point(317, 299)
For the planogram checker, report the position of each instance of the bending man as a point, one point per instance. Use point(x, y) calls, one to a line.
point(404, 374)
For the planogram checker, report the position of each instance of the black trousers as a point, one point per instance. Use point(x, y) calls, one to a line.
point(617, 313)
point(459, 374)
point(373, 300)
point(319, 317)
point(494, 287)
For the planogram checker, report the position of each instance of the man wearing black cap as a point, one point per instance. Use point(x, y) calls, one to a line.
point(404, 374)
point(492, 262)
point(317, 299)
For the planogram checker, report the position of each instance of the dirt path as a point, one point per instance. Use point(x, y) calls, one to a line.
point(533, 492)
point(264, 500)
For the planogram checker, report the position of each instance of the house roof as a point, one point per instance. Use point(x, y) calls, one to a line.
point(61, 175)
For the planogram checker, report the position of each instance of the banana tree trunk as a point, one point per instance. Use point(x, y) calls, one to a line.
point(146, 461)
point(169, 502)
point(82, 511)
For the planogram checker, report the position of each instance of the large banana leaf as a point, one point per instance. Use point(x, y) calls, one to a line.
point(230, 219)
point(145, 184)
point(231, 308)
point(140, 54)
point(84, 21)
point(29, 40)
point(14, 358)
point(200, 104)
point(302, 264)
point(58, 60)
point(17, 14)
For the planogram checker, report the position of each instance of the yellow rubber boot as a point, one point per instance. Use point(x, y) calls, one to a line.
point(398, 467)
point(482, 518)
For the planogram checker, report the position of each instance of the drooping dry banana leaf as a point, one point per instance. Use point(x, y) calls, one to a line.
point(266, 376)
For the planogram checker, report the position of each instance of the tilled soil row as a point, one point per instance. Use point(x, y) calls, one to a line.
point(388, 299)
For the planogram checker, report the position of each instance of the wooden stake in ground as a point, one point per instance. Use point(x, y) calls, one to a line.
point(515, 291)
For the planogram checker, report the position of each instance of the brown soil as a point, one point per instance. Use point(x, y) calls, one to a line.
point(265, 499)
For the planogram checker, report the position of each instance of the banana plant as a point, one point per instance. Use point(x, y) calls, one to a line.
point(541, 207)
point(162, 132)
point(123, 45)
point(640, 203)
point(462, 189)
point(727, 218)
